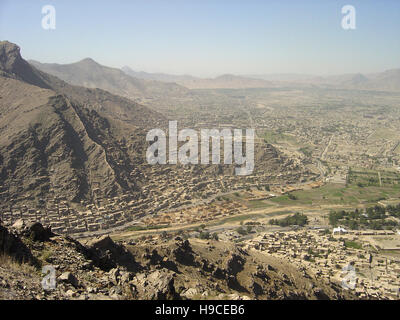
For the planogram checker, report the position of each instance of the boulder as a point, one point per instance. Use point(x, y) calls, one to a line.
point(11, 244)
point(114, 275)
point(157, 285)
point(37, 232)
point(107, 254)
point(68, 277)
point(18, 225)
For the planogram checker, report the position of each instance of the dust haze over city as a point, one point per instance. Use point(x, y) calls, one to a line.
point(200, 150)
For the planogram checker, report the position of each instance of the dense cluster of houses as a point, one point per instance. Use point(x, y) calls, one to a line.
point(64, 219)
point(325, 255)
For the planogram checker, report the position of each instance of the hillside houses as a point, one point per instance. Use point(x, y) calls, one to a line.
point(325, 257)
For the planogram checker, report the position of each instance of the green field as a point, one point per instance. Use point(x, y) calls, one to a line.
point(238, 218)
point(258, 204)
point(275, 137)
point(353, 245)
point(363, 178)
point(142, 228)
point(338, 194)
point(241, 197)
point(250, 216)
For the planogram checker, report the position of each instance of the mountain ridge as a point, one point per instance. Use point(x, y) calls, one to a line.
point(89, 73)
point(388, 80)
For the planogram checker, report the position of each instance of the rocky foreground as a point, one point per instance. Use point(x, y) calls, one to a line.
point(165, 268)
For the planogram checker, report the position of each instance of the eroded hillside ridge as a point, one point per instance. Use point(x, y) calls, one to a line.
point(58, 138)
point(56, 146)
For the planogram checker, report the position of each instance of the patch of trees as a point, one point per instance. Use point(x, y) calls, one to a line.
point(376, 218)
point(244, 231)
point(298, 219)
point(291, 196)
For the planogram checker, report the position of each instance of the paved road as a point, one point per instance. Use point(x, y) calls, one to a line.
point(326, 148)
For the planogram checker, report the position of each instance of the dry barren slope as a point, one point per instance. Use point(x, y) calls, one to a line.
point(46, 141)
point(63, 137)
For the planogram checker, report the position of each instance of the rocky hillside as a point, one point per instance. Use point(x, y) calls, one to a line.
point(163, 268)
point(61, 138)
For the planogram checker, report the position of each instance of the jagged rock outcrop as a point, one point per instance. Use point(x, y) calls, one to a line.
point(34, 230)
point(12, 65)
point(107, 254)
point(11, 244)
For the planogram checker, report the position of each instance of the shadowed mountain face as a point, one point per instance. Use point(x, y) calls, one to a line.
point(64, 139)
point(12, 65)
point(90, 74)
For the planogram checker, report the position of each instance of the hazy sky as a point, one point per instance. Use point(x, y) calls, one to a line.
point(210, 37)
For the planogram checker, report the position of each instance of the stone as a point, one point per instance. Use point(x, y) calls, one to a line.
point(114, 275)
point(157, 285)
point(125, 277)
point(116, 290)
point(19, 224)
point(12, 245)
point(38, 233)
point(71, 294)
point(68, 277)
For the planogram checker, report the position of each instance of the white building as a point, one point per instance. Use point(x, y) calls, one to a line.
point(339, 230)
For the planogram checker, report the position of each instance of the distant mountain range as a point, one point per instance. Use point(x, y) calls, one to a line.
point(138, 84)
point(227, 81)
point(386, 81)
point(157, 76)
